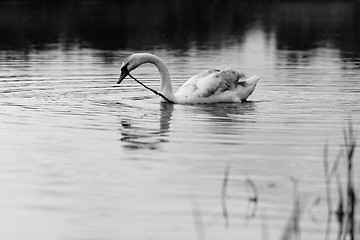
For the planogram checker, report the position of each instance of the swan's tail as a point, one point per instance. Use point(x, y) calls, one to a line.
point(251, 81)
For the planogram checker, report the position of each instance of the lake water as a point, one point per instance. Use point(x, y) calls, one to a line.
point(84, 158)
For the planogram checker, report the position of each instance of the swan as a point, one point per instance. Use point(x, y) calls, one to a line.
point(209, 86)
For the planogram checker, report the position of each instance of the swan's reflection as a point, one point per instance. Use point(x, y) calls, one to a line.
point(147, 132)
point(227, 121)
point(137, 137)
point(223, 112)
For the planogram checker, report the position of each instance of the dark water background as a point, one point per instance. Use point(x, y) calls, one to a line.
point(84, 158)
point(179, 25)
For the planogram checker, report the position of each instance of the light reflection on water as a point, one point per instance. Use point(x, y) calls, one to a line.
point(82, 157)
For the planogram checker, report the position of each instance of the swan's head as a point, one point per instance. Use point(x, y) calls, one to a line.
point(130, 63)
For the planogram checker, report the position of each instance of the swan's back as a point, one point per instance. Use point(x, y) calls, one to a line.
point(210, 82)
point(202, 75)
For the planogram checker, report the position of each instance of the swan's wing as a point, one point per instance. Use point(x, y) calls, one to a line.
point(212, 83)
point(190, 85)
point(193, 79)
point(217, 83)
point(203, 74)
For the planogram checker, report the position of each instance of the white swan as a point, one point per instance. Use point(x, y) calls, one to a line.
point(209, 86)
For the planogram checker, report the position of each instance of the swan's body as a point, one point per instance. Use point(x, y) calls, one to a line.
point(209, 86)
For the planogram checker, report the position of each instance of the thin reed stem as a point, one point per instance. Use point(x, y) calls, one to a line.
point(328, 191)
point(340, 214)
point(253, 200)
point(198, 221)
point(223, 195)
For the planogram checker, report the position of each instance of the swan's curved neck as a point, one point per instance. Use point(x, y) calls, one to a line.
point(165, 82)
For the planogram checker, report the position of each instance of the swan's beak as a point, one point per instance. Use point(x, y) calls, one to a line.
point(123, 75)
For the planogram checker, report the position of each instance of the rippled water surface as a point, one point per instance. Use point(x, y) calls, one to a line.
point(84, 158)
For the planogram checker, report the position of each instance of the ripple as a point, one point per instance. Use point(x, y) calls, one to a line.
point(76, 145)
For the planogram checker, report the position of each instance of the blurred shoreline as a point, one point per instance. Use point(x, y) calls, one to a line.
point(144, 25)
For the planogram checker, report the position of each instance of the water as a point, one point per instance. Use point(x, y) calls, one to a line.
point(85, 158)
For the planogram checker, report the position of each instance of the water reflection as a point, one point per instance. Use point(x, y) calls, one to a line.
point(305, 26)
point(145, 136)
point(62, 112)
point(111, 25)
point(223, 112)
point(151, 130)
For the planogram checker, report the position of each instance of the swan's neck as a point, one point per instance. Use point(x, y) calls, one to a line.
point(165, 81)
